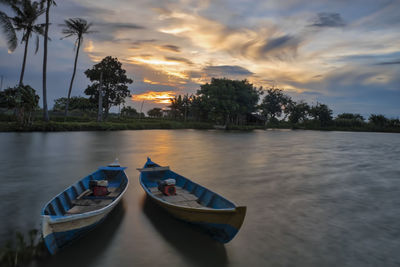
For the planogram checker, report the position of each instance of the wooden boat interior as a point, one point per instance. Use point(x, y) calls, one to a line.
point(78, 198)
point(188, 193)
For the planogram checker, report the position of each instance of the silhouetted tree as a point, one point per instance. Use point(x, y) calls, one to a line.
point(155, 113)
point(115, 81)
point(22, 97)
point(274, 103)
point(176, 107)
point(75, 103)
point(321, 113)
point(394, 123)
point(378, 120)
point(349, 120)
point(198, 109)
point(350, 116)
point(75, 27)
point(298, 112)
point(129, 112)
point(227, 101)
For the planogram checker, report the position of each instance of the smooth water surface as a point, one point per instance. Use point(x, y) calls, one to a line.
point(313, 198)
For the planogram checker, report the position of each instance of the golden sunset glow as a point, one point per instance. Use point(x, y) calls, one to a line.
point(178, 74)
point(175, 30)
point(156, 97)
point(89, 47)
point(153, 61)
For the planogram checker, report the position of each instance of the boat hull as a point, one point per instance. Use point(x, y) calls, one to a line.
point(221, 225)
point(60, 228)
point(220, 217)
point(58, 234)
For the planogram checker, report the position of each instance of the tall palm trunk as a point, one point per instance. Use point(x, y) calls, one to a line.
point(21, 78)
point(72, 79)
point(46, 34)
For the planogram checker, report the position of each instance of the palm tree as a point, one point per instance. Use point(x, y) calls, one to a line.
point(75, 27)
point(49, 3)
point(8, 30)
point(27, 12)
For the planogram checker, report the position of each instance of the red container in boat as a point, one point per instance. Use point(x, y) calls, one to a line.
point(169, 190)
point(99, 191)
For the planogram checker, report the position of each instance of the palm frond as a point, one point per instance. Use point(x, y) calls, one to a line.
point(37, 44)
point(75, 26)
point(66, 36)
point(9, 31)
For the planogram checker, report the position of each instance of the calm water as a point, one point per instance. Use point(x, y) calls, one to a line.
point(313, 198)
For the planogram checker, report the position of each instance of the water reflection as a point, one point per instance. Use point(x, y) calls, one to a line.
point(313, 198)
point(195, 246)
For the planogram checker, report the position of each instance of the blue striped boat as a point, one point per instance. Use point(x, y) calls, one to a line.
point(75, 211)
point(193, 203)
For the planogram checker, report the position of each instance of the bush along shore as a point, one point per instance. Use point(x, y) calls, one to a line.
point(87, 124)
point(21, 251)
point(79, 124)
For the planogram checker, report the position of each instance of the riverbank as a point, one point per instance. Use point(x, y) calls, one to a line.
point(148, 124)
point(56, 126)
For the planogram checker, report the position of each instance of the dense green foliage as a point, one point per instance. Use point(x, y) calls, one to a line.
point(22, 99)
point(114, 83)
point(75, 103)
point(155, 113)
point(82, 124)
point(222, 101)
point(298, 112)
point(129, 112)
point(274, 104)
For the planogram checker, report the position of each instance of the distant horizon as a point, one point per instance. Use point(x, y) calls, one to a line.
point(345, 55)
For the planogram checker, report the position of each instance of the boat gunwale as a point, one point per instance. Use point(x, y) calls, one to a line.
point(66, 218)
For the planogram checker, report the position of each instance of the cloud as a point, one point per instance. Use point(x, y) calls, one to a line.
point(73, 9)
point(118, 26)
point(226, 71)
point(280, 47)
point(328, 20)
point(179, 59)
point(170, 48)
point(390, 63)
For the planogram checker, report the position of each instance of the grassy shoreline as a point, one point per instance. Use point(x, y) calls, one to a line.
point(55, 126)
point(59, 126)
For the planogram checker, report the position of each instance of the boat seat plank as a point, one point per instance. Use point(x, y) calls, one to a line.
point(153, 189)
point(85, 205)
point(91, 202)
point(182, 197)
point(81, 209)
point(194, 204)
point(84, 193)
point(114, 191)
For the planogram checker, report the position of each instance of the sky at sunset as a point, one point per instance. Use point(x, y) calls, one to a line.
point(342, 53)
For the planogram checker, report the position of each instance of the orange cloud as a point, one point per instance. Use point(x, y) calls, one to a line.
point(157, 97)
point(152, 61)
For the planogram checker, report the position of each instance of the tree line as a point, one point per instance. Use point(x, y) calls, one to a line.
point(232, 102)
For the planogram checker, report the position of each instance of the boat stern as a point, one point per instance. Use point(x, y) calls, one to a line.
point(48, 235)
